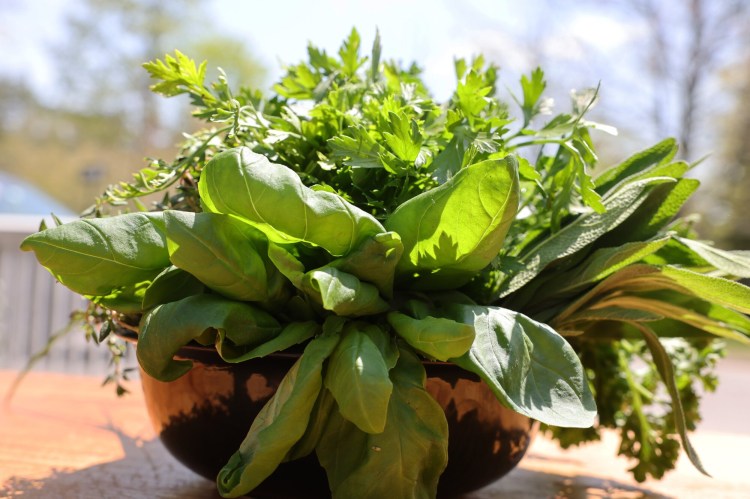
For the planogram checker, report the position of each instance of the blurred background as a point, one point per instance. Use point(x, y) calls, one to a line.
point(76, 113)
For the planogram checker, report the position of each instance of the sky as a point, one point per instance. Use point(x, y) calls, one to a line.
point(432, 32)
point(578, 44)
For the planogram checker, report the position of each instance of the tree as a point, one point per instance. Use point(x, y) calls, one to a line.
point(687, 44)
point(100, 67)
point(99, 119)
point(734, 190)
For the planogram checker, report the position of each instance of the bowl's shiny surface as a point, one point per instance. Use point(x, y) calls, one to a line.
point(203, 416)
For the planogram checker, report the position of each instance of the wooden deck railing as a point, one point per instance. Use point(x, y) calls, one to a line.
point(33, 306)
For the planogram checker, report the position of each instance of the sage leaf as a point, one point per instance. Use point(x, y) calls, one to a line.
point(407, 458)
point(662, 152)
point(455, 230)
point(527, 365)
point(681, 314)
point(97, 256)
point(227, 255)
point(580, 233)
point(357, 376)
point(272, 197)
point(714, 289)
point(280, 424)
point(656, 212)
point(603, 263)
point(169, 327)
point(374, 261)
point(730, 262)
point(437, 337)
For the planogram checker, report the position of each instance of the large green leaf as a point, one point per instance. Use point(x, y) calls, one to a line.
point(280, 424)
point(342, 293)
point(374, 261)
point(357, 376)
point(529, 367)
point(169, 327)
point(455, 230)
point(437, 337)
point(98, 256)
point(406, 460)
point(580, 233)
point(272, 197)
point(227, 255)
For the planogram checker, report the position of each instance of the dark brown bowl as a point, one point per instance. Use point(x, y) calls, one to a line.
point(203, 416)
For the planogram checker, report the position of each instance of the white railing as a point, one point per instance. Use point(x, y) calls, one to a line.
point(33, 306)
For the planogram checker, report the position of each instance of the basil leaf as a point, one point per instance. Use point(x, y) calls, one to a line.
point(126, 299)
point(357, 376)
point(227, 255)
point(172, 284)
point(407, 458)
point(98, 256)
point(272, 197)
point(343, 293)
point(437, 337)
point(287, 264)
point(280, 424)
point(234, 349)
point(374, 261)
point(324, 406)
point(455, 230)
point(169, 327)
point(385, 342)
point(527, 365)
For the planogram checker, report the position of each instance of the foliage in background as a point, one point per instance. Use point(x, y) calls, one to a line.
point(101, 120)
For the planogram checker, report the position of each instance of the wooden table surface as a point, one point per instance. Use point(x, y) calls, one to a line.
point(64, 437)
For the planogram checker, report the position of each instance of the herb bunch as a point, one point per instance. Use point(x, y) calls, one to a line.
point(599, 263)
